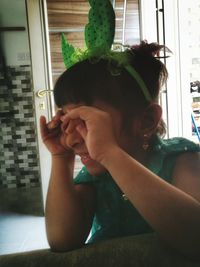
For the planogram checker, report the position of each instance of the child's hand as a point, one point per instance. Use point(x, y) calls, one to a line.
point(53, 136)
point(96, 128)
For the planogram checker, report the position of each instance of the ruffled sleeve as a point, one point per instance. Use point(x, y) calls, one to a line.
point(165, 152)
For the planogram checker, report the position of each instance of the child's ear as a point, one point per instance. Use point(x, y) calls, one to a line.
point(150, 119)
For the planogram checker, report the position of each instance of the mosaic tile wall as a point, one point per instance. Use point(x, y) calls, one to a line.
point(18, 145)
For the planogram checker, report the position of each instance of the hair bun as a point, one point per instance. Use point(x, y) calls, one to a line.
point(152, 49)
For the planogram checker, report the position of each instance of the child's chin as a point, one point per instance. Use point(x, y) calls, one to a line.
point(96, 170)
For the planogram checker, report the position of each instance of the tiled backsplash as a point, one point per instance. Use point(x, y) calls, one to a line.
point(19, 165)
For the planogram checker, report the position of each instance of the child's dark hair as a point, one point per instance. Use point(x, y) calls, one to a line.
point(87, 81)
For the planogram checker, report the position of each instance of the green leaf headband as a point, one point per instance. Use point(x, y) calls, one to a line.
point(99, 37)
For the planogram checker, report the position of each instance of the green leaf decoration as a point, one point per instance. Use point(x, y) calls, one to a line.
point(67, 52)
point(100, 30)
point(99, 37)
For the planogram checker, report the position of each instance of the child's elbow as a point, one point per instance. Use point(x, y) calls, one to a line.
point(64, 245)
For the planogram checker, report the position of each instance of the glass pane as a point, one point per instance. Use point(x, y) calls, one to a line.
point(193, 44)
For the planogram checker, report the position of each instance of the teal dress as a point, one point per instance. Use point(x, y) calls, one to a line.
point(115, 216)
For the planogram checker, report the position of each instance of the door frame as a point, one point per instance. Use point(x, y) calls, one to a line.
point(177, 106)
point(41, 78)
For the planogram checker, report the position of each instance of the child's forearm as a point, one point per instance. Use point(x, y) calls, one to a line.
point(172, 213)
point(64, 210)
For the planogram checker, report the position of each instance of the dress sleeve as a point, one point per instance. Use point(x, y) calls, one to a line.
point(165, 152)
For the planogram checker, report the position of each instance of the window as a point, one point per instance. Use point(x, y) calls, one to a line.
point(175, 23)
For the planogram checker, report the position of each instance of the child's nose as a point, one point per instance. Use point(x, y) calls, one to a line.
point(73, 137)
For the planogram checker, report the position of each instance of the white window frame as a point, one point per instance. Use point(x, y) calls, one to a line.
point(41, 76)
point(178, 107)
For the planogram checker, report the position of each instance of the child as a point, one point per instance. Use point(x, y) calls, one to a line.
point(133, 181)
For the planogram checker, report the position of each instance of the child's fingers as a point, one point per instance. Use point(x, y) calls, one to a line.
point(53, 124)
point(82, 113)
point(65, 124)
point(43, 126)
point(69, 125)
point(81, 128)
point(58, 115)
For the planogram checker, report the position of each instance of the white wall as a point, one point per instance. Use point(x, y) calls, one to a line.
point(15, 44)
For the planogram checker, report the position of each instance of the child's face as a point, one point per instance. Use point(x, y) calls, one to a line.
point(77, 144)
